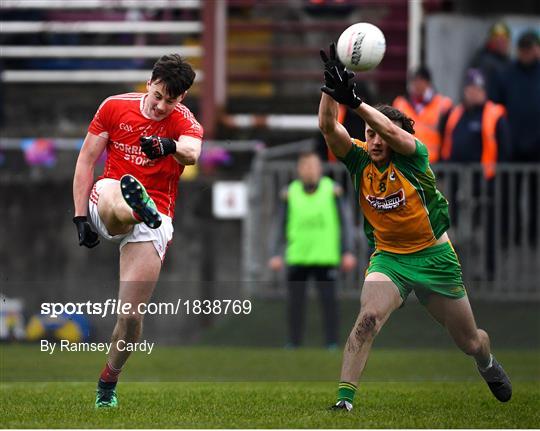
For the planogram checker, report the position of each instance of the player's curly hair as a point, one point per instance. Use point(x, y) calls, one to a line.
point(175, 73)
point(394, 114)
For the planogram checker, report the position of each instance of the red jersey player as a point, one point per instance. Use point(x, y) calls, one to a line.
point(149, 138)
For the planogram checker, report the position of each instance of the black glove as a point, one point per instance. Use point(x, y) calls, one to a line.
point(340, 87)
point(332, 63)
point(155, 147)
point(87, 236)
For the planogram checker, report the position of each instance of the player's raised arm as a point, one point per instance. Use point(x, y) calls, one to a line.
point(398, 139)
point(342, 89)
point(336, 136)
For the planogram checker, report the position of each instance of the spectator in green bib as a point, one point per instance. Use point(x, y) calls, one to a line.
point(313, 240)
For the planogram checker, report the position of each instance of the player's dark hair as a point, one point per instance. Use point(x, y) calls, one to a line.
point(175, 73)
point(394, 114)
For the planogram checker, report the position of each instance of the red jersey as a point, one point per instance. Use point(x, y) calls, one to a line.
point(120, 118)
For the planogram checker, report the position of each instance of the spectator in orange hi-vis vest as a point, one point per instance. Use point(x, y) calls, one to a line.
point(426, 107)
point(477, 129)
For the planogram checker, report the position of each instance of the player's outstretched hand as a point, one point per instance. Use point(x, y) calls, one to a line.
point(331, 60)
point(331, 63)
point(155, 147)
point(87, 236)
point(341, 88)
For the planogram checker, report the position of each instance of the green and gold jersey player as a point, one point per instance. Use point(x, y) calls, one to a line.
point(406, 219)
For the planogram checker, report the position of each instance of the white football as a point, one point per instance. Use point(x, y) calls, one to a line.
point(361, 46)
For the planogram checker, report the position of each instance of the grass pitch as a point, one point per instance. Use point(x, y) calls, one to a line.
point(201, 387)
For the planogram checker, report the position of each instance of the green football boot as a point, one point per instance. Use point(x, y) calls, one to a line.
point(139, 201)
point(106, 397)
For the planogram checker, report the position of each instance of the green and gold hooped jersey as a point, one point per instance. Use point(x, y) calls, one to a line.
point(403, 210)
point(313, 230)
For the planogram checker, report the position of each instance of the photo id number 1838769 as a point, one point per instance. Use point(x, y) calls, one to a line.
point(217, 306)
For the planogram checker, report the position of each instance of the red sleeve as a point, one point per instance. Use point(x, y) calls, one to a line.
point(186, 125)
point(101, 121)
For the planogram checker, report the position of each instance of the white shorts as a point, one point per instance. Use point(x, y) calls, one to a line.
point(160, 237)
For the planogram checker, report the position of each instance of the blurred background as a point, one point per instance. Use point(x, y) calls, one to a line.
point(256, 94)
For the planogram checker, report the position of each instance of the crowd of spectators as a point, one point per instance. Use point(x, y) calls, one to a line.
point(496, 119)
point(460, 132)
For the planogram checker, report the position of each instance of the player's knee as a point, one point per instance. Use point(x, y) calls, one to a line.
point(106, 211)
point(367, 326)
point(111, 204)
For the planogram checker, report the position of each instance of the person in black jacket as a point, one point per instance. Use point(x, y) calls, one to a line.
point(493, 57)
point(520, 93)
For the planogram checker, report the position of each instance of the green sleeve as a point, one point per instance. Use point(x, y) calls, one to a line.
point(356, 159)
point(418, 161)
